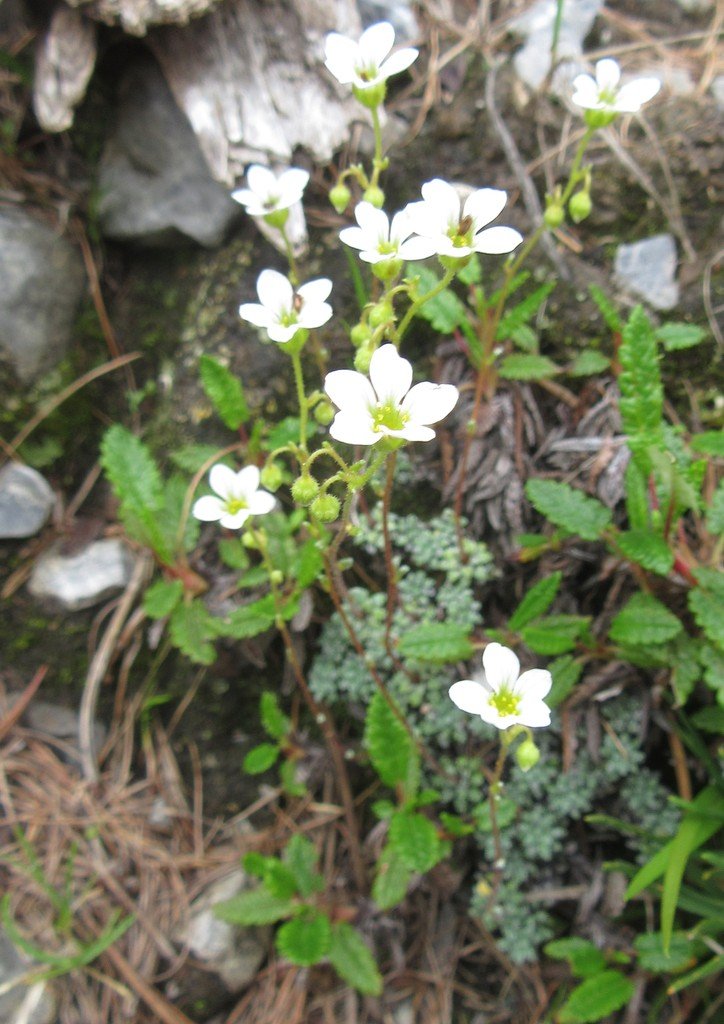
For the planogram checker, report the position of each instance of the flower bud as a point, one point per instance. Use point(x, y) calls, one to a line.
point(373, 96)
point(276, 576)
point(599, 118)
point(374, 194)
point(324, 413)
point(381, 313)
point(527, 755)
point(340, 196)
point(359, 334)
point(271, 476)
point(277, 218)
point(325, 508)
point(362, 359)
point(305, 489)
point(385, 270)
point(554, 215)
point(579, 206)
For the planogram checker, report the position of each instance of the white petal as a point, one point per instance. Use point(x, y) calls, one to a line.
point(400, 227)
point(391, 375)
point(413, 432)
point(235, 520)
point(429, 403)
point(633, 95)
point(497, 240)
point(208, 509)
point(375, 43)
point(484, 205)
point(315, 291)
point(292, 183)
point(261, 503)
point(399, 61)
point(533, 713)
point(585, 92)
point(282, 333)
point(534, 684)
point(258, 315)
point(261, 181)
point(501, 666)
point(443, 198)
point(490, 714)
point(314, 314)
point(222, 480)
point(375, 256)
point(444, 247)
point(245, 196)
point(247, 482)
point(373, 222)
point(608, 74)
point(354, 428)
point(340, 57)
point(355, 237)
point(469, 696)
point(350, 391)
point(274, 291)
point(416, 248)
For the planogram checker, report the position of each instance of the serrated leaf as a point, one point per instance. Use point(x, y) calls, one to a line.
point(642, 397)
point(554, 634)
point(162, 597)
point(288, 778)
point(679, 335)
point(255, 907)
point(715, 515)
point(597, 997)
point(279, 880)
point(254, 863)
point(391, 748)
point(606, 309)
point(132, 471)
point(644, 620)
point(523, 311)
point(712, 660)
point(566, 672)
point(652, 956)
point(536, 602)
point(305, 940)
point(686, 669)
point(637, 497)
point(437, 642)
point(308, 564)
point(588, 363)
point(233, 553)
point(711, 442)
point(391, 881)
point(706, 603)
point(251, 619)
point(191, 629)
point(525, 337)
point(414, 839)
point(224, 391)
point(454, 825)
point(275, 722)
point(353, 961)
point(527, 367)
point(584, 958)
point(646, 549)
point(301, 857)
point(286, 431)
point(445, 311)
point(570, 509)
point(709, 720)
point(260, 758)
point(472, 272)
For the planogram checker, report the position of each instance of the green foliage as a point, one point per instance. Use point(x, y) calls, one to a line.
point(675, 336)
point(301, 858)
point(261, 758)
point(306, 939)
point(554, 634)
point(353, 961)
point(391, 748)
point(192, 629)
point(711, 442)
point(647, 549)
point(258, 906)
point(275, 722)
point(608, 312)
point(596, 998)
point(642, 398)
point(588, 363)
point(570, 509)
point(440, 642)
point(652, 956)
point(392, 879)
point(644, 620)
point(522, 312)
point(706, 603)
point(414, 839)
point(566, 672)
point(224, 391)
point(527, 367)
point(536, 602)
point(583, 957)
point(162, 597)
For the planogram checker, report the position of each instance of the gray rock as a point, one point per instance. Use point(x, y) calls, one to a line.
point(22, 1004)
point(533, 62)
point(154, 182)
point(647, 269)
point(695, 6)
point(41, 283)
point(398, 12)
point(26, 501)
point(233, 953)
point(84, 578)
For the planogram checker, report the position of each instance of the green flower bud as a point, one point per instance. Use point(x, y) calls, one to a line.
point(276, 576)
point(527, 755)
point(374, 195)
point(385, 270)
point(599, 118)
point(362, 359)
point(277, 218)
point(554, 216)
point(359, 334)
point(580, 206)
point(324, 413)
point(326, 508)
point(305, 489)
point(454, 262)
point(381, 313)
point(373, 96)
point(340, 197)
point(271, 476)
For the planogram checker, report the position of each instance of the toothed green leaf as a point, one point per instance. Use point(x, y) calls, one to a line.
point(305, 940)
point(568, 508)
point(353, 961)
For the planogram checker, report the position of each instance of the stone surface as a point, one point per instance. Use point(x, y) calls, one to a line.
point(647, 269)
point(22, 1005)
point(154, 183)
point(84, 578)
point(398, 12)
point(233, 953)
point(695, 6)
point(533, 61)
point(26, 501)
point(41, 282)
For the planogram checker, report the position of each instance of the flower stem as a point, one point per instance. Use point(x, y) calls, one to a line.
point(389, 562)
point(439, 287)
point(378, 163)
point(293, 272)
point(302, 398)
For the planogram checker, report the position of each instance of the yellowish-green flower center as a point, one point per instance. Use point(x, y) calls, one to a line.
point(234, 505)
point(505, 702)
point(388, 417)
point(385, 248)
point(461, 234)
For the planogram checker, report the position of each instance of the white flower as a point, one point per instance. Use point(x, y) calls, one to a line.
point(386, 405)
point(379, 240)
point(281, 311)
point(505, 698)
point(604, 92)
point(363, 64)
point(456, 229)
point(268, 193)
point(237, 497)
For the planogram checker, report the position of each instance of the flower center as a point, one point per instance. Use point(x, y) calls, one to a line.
point(289, 317)
point(461, 234)
point(607, 96)
point(234, 505)
point(271, 202)
point(386, 248)
point(388, 417)
point(505, 702)
point(367, 74)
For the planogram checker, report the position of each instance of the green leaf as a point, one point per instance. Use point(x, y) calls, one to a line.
point(300, 856)
point(568, 508)
point(131, 469)
point(523, 311)
point(278, 879)
point(606, 309)
point(554, 634)
point(647, 549)
point(637, 497)
point(445, 311)
point(255, 907)
point(715, 515)
point(506, 811)
point(414, 839)
point(588, 363)
point(305, 940)
point(162, 597)
point(536, 602)
point(391, 748)
point(706, 603)
point(711, 442)
point(709, 720)
point(678, 335)
point(584, 958)
point(642, 397)
point(527, 367)
point(710, 967)
point(233, 553)
point(644, 620)
point(472, 272)
point(454, 825)
point(652, 956)
point(260, 758)
point(275, 722)
point(224, 391)
point(686, 668)
point(191, 629)
point(712, 660)
point(191, 457)
point(353, 961)
point(596, 998)
point(308, 564)
point(288, 778)
point(566, 672)
point(251, 619)
point(391, 881)
point(438, 642)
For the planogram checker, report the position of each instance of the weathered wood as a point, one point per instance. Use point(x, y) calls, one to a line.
point(64, 62)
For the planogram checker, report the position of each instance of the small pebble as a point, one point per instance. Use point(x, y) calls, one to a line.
point(26, 501)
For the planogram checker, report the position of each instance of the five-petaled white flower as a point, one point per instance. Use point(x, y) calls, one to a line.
point(268, 193)
point(237, 497)
point(386, 405)
point(282, 311)
point(505, 698)
point(363, 64)
point(605, 94)
point(380, 240)
point(458, 229)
